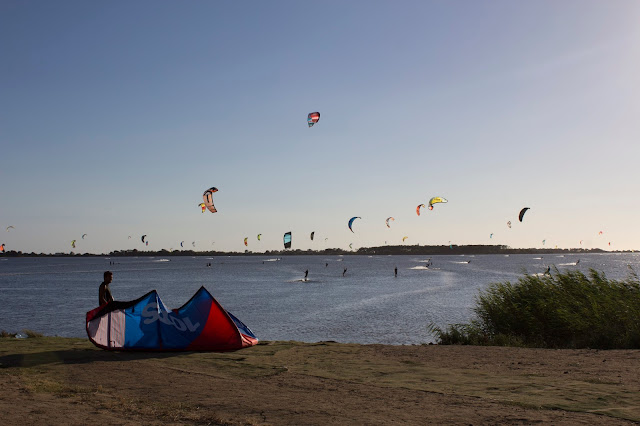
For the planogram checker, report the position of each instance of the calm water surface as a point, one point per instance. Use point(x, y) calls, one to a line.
point(367, 305)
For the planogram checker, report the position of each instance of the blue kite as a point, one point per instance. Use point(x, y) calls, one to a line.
point(145, 324)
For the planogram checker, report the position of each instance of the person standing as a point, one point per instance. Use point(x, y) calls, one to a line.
point(395, 272)
point(104, 292)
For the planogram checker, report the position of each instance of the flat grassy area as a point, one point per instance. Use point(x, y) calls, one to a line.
point(59, 380)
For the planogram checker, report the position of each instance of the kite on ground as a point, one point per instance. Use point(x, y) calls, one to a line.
point(208, 199)
point(387, 221)
point(351, 222)
point(436, 200)
point(313, 118)
point(418, 208)
point(201, 324)
point(287, 240)
point(522, 212)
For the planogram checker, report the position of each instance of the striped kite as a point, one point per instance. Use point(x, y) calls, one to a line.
point(208, 199)
point(313, 118)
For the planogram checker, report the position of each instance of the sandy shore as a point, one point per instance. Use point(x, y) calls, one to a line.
point(56, 380)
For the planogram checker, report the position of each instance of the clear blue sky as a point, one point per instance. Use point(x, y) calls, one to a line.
point(115, 117)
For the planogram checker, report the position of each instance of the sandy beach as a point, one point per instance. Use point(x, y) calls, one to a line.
point(60, 380)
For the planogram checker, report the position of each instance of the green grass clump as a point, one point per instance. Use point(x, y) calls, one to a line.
point(561, 310)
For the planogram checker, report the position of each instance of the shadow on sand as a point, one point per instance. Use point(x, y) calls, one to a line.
point(78, 356)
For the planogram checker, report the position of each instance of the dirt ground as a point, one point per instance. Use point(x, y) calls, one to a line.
point(69, 381)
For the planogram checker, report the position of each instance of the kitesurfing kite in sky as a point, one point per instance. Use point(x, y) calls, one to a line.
point(201, 324)
point(522, 212)
point(208, 199)
point(181, 243)
point(84, 235)
point(245, 241)
point(351, 222)
point(259, 235)
point(313, 118)
point(312, 234)
point(287, 240)
point(202, 206)
point(404, 238)
point(436, 200)
point(509, 224)
point(73, 243)
point(418, 208)
point(143, 237)
point(1, 248)
point(9, 227)
point(387, 221)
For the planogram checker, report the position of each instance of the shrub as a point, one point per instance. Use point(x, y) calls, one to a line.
point(561, 310)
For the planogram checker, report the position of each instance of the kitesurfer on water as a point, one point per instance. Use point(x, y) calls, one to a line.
point(104, 292)
point(548, 271)
point(306, 274)
point(395, 272)
point(344, 272)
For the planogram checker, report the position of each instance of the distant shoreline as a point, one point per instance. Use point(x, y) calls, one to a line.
point(381, 250)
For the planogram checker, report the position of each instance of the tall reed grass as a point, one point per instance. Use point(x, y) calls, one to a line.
point(560, 310)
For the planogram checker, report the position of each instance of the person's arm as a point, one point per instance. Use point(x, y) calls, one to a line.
point(101, 295)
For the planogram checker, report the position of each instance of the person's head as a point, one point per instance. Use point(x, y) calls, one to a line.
point(108, 276)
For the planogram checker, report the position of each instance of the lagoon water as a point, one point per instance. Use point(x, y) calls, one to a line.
point(368, 305)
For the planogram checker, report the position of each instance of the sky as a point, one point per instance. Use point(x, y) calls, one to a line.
point(116, 116)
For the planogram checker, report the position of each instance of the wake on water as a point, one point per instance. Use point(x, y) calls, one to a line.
point(303, 280)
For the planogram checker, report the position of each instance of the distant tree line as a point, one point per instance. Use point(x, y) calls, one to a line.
point(381, 250)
